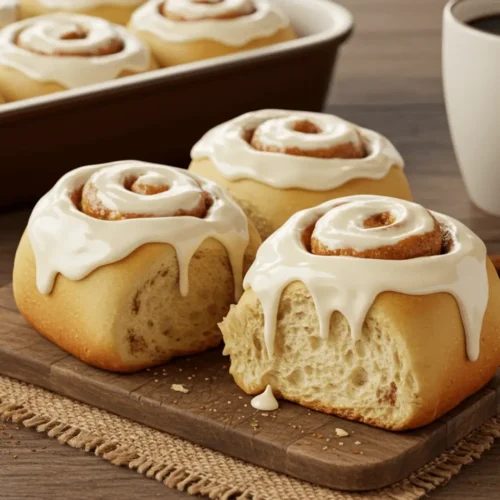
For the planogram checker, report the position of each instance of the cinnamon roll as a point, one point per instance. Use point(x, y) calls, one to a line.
point(371, 308)
point(277, 162)
point(182, 31)
point(128, 264)
point(115, 11)
point(56, 52)
point(9, 12)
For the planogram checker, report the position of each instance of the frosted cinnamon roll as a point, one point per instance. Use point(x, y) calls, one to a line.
point(182, 31)
point(128, 264)
point(115, 11)
point(9, 12)
point(371, 308)
point(277, 162)
point(56, 52)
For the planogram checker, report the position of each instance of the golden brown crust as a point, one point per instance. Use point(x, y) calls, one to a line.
point(92, 318)
point(15, 85)
point(269, 208)
point(172, 53)
point(429, 329)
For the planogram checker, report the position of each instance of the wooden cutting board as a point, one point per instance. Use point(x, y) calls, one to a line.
point(216, 414)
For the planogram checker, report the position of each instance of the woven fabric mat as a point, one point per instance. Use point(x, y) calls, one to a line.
point(200, 471)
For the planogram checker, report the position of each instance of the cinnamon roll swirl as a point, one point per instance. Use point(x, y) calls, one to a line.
point(182, 31)
point(114, 11)
point(62, 51)
point(367, 307)
point(277, 162)
point(128, 264)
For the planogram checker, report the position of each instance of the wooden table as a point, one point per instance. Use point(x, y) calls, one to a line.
point(388, 79)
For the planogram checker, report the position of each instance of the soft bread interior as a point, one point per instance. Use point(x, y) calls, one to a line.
point(370, 376)
point(408, 368)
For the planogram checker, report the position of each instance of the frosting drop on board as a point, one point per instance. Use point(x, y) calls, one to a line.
point(67, 241)
point(265, 401)
point(350, 285)
point(227, 147)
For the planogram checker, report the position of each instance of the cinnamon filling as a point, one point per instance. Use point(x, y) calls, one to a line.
point(448, 241)
point(347, 150)
point(306, 127)
point(231, 14)
point(436, 242)
point(86, 200)
point(114, 46)
point(379, 220)
point(136, 186)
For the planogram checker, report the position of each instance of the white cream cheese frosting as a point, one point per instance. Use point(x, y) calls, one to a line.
point(259, 19)
point(193, 10)
point(265, 401)
point(65, 240)
point(344, 227)
point(45, 35)
point(350, 284)
point(228, 148)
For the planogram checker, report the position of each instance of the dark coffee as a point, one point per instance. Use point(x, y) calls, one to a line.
point(489, 24)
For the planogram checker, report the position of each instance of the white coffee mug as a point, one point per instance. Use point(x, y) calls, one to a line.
point(471, 76)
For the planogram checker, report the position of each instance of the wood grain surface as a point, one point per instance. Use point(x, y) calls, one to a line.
point(216, 414)
point(388, 78)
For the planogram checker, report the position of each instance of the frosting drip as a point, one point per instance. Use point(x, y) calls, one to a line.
point(231, 22)
point(109, 49)
point(227, 146)
point(350, 285)
point(85, 4)
point(9, 12)
point(65, 240)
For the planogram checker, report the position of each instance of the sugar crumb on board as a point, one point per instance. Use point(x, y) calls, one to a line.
point(179, 388)
point(341, 433)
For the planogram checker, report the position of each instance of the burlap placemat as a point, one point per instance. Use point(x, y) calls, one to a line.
point(196, 470)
